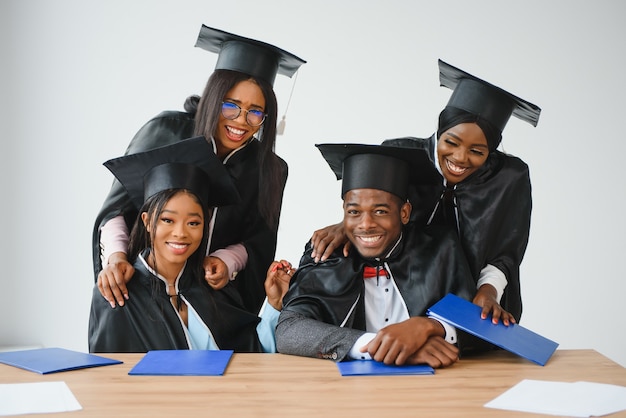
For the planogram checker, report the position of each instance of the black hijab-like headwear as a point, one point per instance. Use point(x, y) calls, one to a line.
point(452, 116)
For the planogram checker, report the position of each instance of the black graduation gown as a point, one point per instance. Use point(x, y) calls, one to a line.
point(426, 265)
point(241, 223)
point(494, 208)
point(149, 321)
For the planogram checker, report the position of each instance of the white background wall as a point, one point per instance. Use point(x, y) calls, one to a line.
point(79, 77)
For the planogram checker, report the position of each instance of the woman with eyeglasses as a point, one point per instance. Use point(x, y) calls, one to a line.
point(237, 114)
point(484, 194)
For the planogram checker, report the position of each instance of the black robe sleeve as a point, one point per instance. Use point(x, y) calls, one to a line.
point(327, 291)
point(431, 265)
point(323, 311)
point(243, 223)
point(494, 218)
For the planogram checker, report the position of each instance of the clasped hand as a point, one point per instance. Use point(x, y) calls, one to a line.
point(418, 340)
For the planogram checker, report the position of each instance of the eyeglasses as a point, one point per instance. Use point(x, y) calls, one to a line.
point(231, 111)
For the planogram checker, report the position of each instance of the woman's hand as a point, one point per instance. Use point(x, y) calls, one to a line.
point(486, 299)
point(215, 272)
point(326, 240)
point(113, 278)
point(277, 282)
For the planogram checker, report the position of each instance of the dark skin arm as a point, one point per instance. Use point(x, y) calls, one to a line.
point(326, 240)
point(409, 342)
point(113, 278)
point(277, 282)
point(486, 298)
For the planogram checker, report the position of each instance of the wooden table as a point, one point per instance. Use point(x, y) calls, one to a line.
point(275, 385)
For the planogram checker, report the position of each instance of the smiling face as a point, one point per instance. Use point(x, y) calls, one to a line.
point(179, 231)
point(373, 220)
point(461, 151)
point(231, 134)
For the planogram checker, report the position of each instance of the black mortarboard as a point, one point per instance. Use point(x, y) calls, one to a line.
point(391, 169)
point(248, 56)
point(189, 164)
point(484, 99)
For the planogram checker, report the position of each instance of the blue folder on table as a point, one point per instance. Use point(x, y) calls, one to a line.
point(53, 360)
point(371, 368)
point(465, 315)
point(183, 363)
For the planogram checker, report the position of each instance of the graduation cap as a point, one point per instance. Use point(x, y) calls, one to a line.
point(381, 167)
point(189, 164)
point(484, 99)
point(248, 56)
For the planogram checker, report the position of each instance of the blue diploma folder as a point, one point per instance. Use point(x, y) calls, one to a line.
point(53, 360)
point(371, 367)
point(183, 363)
point(465, 315)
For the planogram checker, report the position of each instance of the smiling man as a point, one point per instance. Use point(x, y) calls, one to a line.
point(371, 304)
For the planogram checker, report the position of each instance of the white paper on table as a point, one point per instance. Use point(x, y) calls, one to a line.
point(579, 399)
point(40, 397)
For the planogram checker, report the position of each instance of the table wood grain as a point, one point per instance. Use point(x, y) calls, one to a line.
point(278, 385)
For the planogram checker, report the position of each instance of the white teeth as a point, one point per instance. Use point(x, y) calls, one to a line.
point(370, 239)
point(177, 246)
point(455, 169)
point(236, 131)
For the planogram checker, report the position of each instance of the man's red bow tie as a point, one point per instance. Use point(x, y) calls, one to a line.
point(370, 272)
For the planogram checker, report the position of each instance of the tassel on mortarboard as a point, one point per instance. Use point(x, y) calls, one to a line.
point(280, 129)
